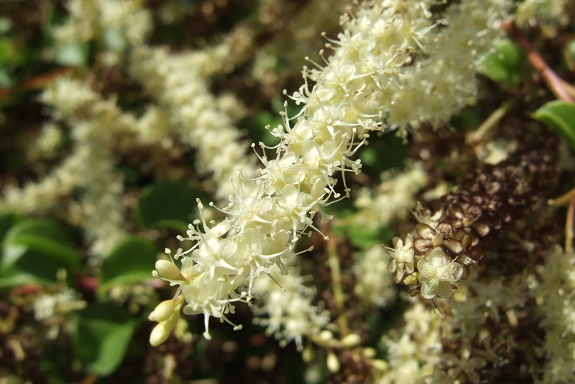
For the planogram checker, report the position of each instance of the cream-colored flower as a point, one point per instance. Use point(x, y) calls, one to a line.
point(437, 273)
point(402, 257)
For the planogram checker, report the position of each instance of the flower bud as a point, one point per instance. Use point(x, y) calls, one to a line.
point(168, 270)
point(380, 365)
point(163, 311)
point(351, 340)
point(160, 333)
point(332, 362)
point(369, 352)
point(307, 354)
point(410, 279)
point(326, 335)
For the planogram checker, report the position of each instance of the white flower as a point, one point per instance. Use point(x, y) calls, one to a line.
point(437, 273)
point(286, 308)
point(402, 257)
point(374, 286)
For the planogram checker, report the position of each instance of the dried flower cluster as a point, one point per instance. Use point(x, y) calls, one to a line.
point(452, 239)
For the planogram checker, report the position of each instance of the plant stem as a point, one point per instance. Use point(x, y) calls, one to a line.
point(563, 199)
point(554, 82)
point(336, 280)
point(491, 121)
point(569, 233)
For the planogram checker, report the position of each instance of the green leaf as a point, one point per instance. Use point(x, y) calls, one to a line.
point(103, 332)
point(569, 54)
point(385, 153)
point(34, 251)
point(366, 238)
point(130, 262)
point(7, 220)
point(505, 64)
point(559, 115)
point(168, 205)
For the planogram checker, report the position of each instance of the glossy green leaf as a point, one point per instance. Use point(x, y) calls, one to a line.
point(130, 262)
point(505, 64)
point(103, 332)
point(168, 205)
point(559, 115)
point(7, 220)
point(34, 251)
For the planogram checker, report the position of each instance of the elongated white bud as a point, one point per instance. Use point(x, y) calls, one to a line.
point(351, 340)
point(168, 270)
point(332, 362)
point(163, 311)
point(160, 333)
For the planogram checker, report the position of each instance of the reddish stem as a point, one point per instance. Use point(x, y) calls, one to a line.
point(35, 82)
point(553, 81)
point(569, 233)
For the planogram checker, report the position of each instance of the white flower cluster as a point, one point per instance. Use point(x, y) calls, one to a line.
point(286, 308)
point(436, 272)
point(392, 198)
point(54, 309)
point(59, 303)
point(447, 80)
point(374, 285)
point(267, 215)
point(99, 127)
point(186, 106)
point(115, 23)
point(96, 124)
point(555, 296)
point(414, 352)
point(91, 166)
point(375, 59)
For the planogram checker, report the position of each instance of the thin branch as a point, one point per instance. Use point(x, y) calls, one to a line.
point(554, 82)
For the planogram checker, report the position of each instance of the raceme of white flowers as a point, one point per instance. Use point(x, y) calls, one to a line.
point(98, 127)
point(116, 25)
point(555, 297)
point(392, 198)
point(415, 350)
point(178, 84)
point(382, 48)
point(374, 285)
point(286, 308)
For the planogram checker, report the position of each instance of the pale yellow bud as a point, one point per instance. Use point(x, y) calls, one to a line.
point(307, 354)
point(168, 270)
point(326, 335)
point(369, 352)
point(351, 340)
point(410, 279)
point(160, 333)
point(163, 311)
point(332, 362)
point(380, 365)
